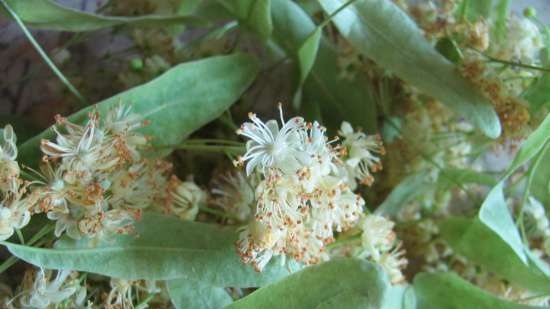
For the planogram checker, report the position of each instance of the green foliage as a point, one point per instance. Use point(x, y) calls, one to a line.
point(384, 33)
point(176, 103)
point(254, 14)
point(47, 14)
point(472, 239)
point(163, 248)
point(187, 294)
point(448, 291)
point(531, 146)
point(324, 88)
point(345, 283)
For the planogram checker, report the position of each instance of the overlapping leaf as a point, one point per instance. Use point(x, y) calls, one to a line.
point(344, 283)
point(176, 103)
point(448, 291)
point(384, 33)
point(187, 294)
point(163, 248)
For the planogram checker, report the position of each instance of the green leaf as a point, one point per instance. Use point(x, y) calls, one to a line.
point(186, 294)
point(538, 93)
point(494, 213)
point(337, 98)
point(449, 291)
point(308, 52)
point(530, 147)
point(386, 34)
point(46, 14)
point(341, 283)
point(480, 245)
point(176, 103)
point(254, 14)
point(163, 248)
point(412, 186)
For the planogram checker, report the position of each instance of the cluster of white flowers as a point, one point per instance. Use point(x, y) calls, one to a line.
point(62, 291)
point(305, 191)
point(123, 293)
point(14, 210)
point(94, 180)
point(378, 243)
point(234, 193)
point(523, 42)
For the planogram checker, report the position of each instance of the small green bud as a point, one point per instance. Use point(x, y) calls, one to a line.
point(136, 64)
point(529, 12)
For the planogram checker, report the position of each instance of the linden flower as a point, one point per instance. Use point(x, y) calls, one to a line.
point(360, 150)
point(235, 195)
point(270, 146)
point(9, 169)
point(378, 243)
point(377, 237)
point(187, 197)
point(45, 293)
point(124, 292)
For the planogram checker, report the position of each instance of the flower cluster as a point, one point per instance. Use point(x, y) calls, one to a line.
point(305, 194)
point(95, 181)
point(14, 210)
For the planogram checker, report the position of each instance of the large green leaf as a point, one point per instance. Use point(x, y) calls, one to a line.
point(494, 213)
point(531, 146)
point(254, 14)
point(163, 248)
point(384, 33)
point(186, 294)
point(449, 291)
point(47, 14)
point(474, 240)
point(342, 283)
point(176, 103)
point(337, 98)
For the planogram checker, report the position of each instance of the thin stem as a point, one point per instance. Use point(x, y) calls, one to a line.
point(218, 213)
point(343, 241)
point(512, 63)
point(211, 148)
point(340, 9)
point(43, 54)
point(204, 141)
point(20, 236)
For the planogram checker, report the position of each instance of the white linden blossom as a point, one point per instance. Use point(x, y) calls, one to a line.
point(360, 153)
point(524, 41)
point(187, 197)
point(301, 198)
point(14, 209)
point(235, 195)
point(270, 146)
point(124, 293)
point(379, 244)
point(62, 288)
point(95, 181)
point(9, 168)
